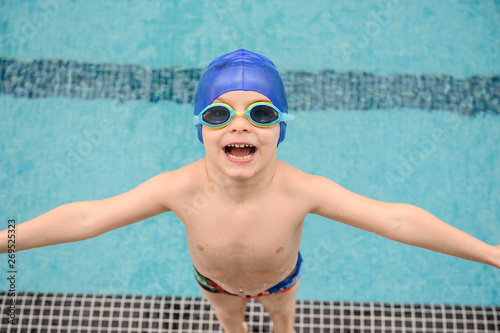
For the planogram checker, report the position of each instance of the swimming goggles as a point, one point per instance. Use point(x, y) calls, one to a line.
point(260, 114)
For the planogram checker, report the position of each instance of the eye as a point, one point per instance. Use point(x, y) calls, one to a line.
point(264, 114)
point(216, 115)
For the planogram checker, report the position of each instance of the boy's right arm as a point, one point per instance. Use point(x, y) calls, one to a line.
point(82, 220)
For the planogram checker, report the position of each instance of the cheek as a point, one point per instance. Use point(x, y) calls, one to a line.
point(210, 139)
point(208, 134)
point(272, 135)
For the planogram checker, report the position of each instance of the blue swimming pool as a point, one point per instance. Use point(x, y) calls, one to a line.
point(395, 100)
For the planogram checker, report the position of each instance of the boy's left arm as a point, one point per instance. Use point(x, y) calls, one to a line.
point(400, 222)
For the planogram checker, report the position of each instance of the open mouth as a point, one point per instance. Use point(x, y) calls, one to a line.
point(240, 151)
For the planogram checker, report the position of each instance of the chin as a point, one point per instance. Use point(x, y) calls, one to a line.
point(241, 170)
point(248, 168)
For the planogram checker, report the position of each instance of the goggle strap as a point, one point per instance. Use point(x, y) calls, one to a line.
point(288, 117)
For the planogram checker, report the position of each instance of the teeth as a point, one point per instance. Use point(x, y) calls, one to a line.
point(239, 157)
point(239, 146)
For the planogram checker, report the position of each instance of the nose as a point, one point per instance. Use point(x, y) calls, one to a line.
point(240, 123)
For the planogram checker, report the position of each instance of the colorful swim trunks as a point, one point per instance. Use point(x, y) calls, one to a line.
point(281, 287)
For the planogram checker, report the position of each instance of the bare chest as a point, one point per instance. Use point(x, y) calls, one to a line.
point(246, 237)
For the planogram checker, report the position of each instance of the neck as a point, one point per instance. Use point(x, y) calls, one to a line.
point(241, 188)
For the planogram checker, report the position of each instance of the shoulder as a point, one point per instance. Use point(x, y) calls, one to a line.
point(291, 172)
point(317, 191)
point(184, 177)
point(172, 185)
point(298, 181)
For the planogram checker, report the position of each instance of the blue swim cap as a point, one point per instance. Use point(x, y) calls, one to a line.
point(241, 70)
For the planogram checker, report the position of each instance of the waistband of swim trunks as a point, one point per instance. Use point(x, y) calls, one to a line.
point(280, 287)
point(291, 280)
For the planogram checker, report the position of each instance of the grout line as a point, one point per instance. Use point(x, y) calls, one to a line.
point(66, 312)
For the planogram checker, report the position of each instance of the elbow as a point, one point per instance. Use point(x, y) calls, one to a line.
point(86, 221)
point(86, 231)
point(399, 217)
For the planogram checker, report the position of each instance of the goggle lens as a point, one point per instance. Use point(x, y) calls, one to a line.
point(216, 115)
point(263, 114)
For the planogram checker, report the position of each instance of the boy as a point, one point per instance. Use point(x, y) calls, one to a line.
point(244, 237)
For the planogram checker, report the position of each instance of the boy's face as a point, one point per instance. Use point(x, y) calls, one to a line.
point(241, 149)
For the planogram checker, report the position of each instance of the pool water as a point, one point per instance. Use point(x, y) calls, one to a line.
point(446, 160)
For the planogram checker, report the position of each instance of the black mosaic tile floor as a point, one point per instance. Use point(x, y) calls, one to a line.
point(88, 313)
point(327, 89)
